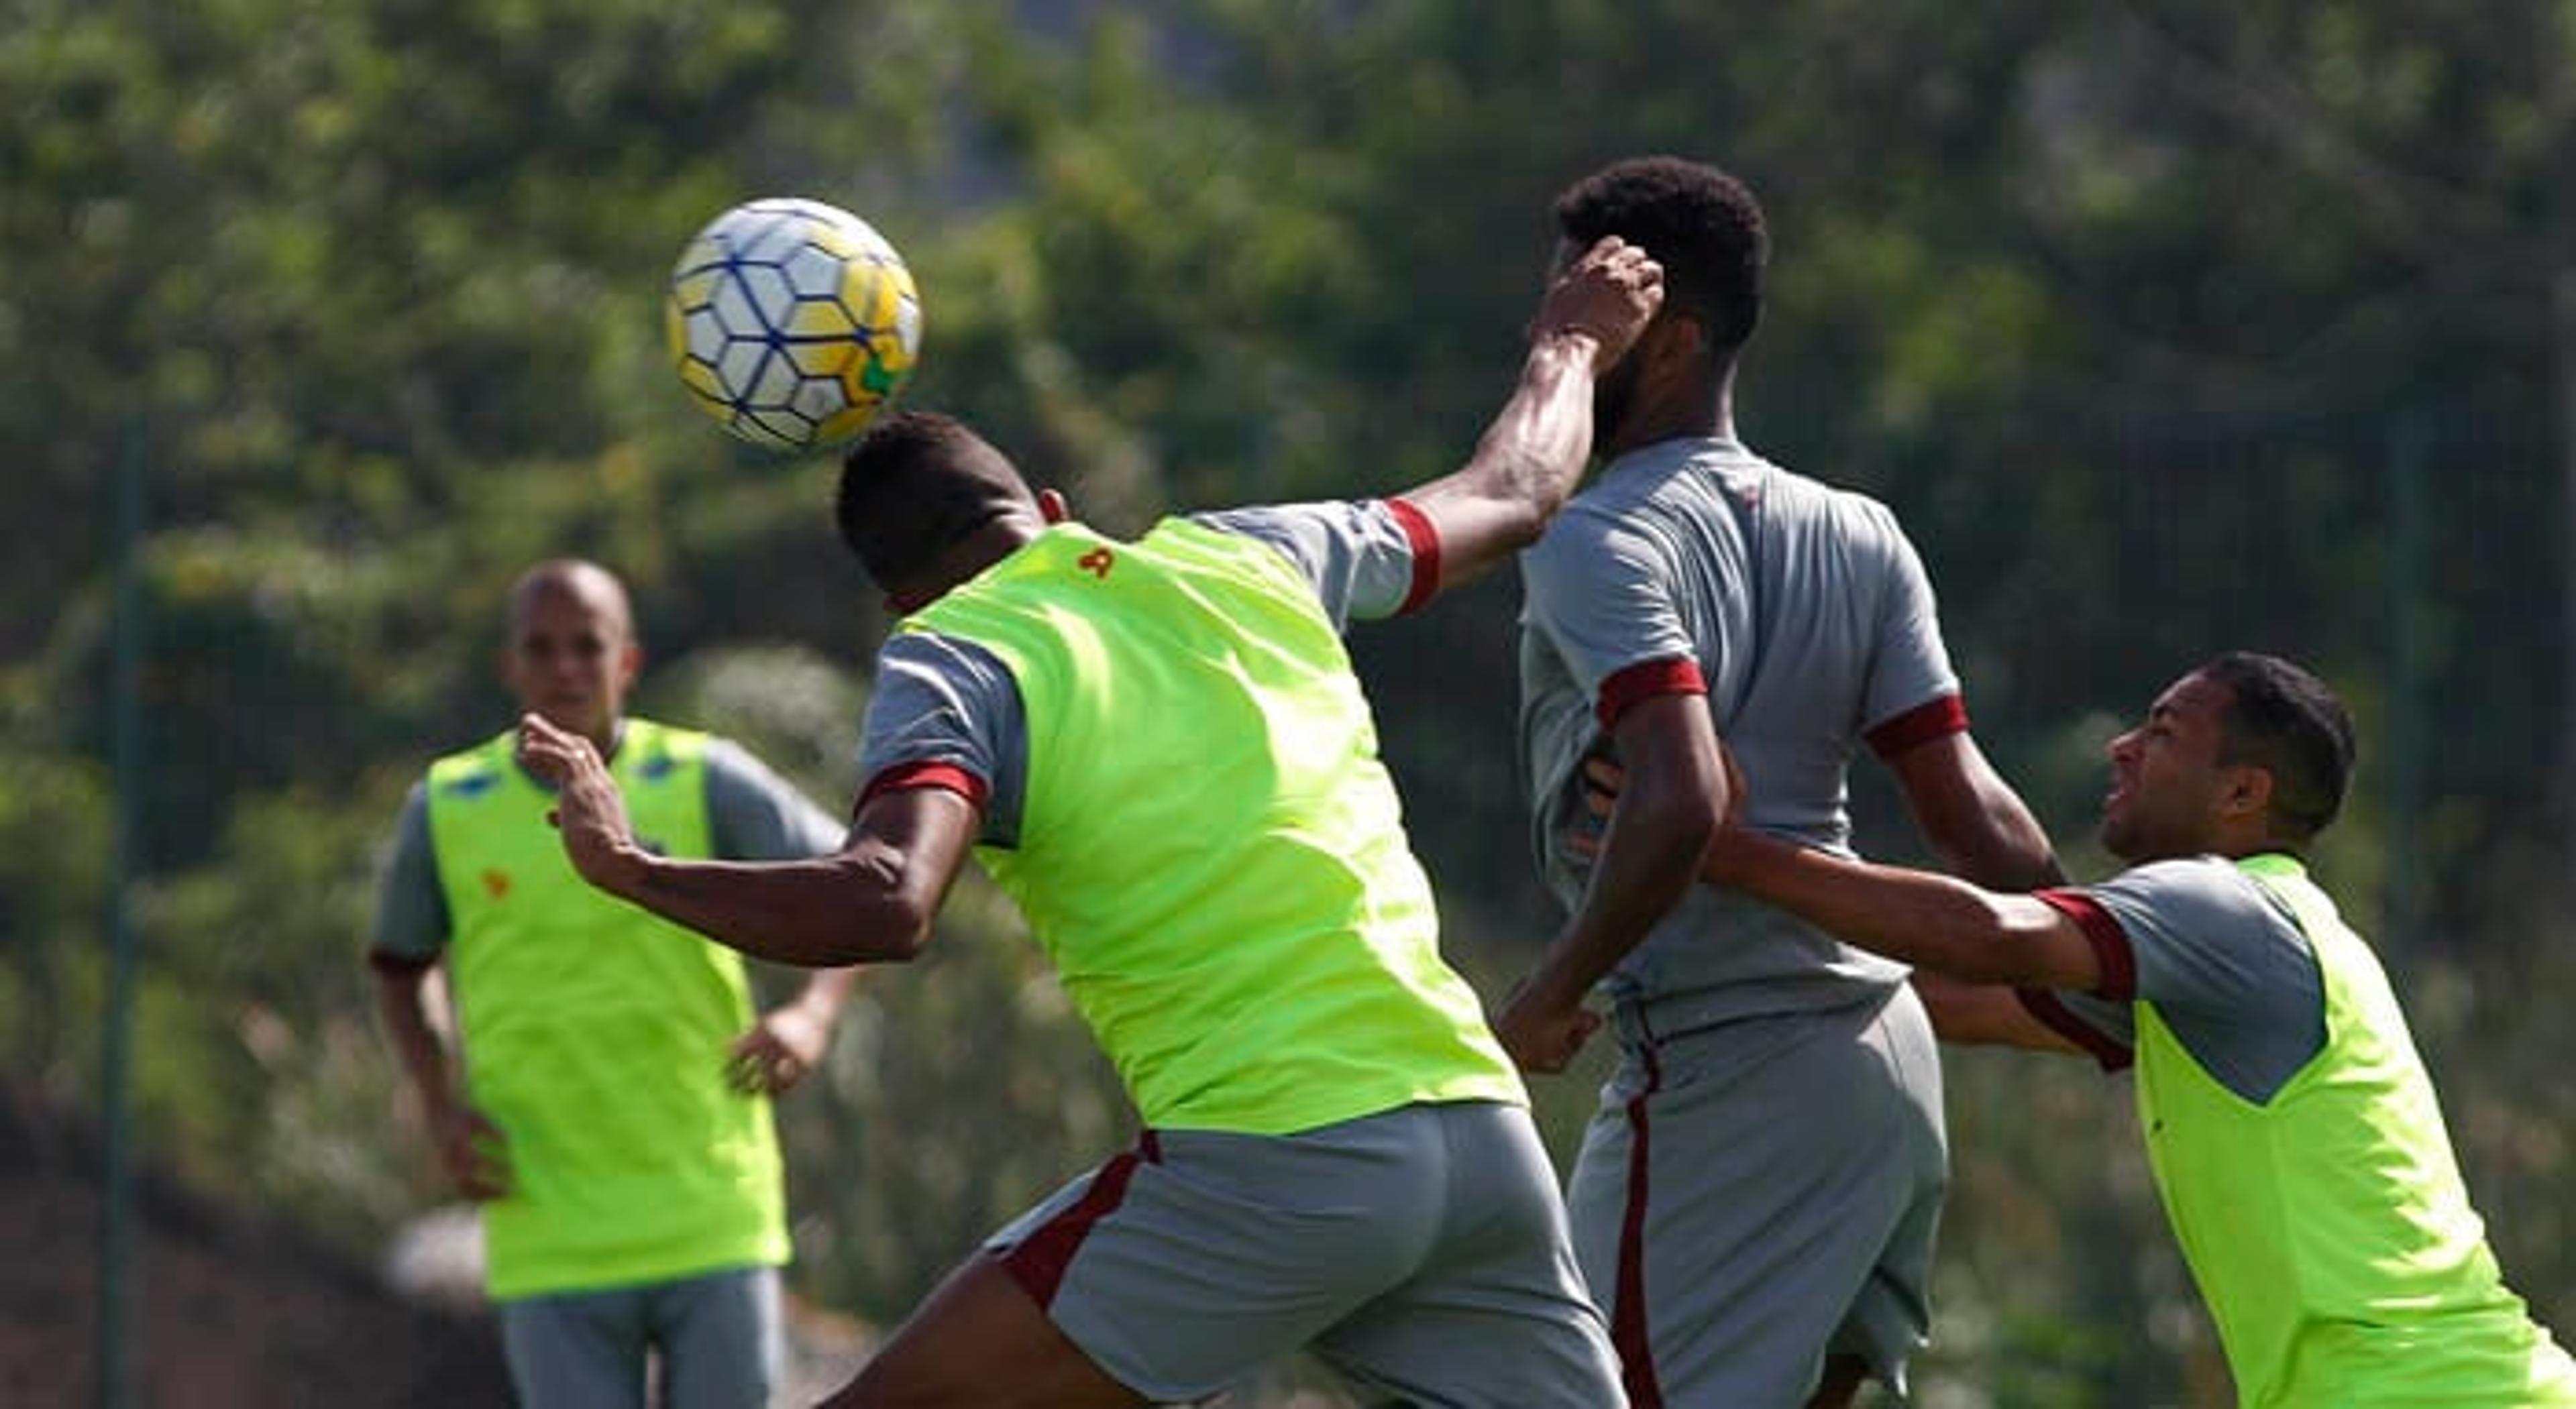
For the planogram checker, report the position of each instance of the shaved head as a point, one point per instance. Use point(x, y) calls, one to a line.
point(570, 651)
point(574, 579)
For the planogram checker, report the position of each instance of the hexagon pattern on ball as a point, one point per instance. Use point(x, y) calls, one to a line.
point(792, 323)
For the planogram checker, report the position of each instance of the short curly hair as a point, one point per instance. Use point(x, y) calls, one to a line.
point(1702, 225)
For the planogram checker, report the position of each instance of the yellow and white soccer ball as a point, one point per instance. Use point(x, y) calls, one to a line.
point(792, 322)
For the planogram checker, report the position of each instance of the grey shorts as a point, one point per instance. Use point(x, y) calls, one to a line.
point(716, 1338)
point(1756, 1196)
point(1420, 1252)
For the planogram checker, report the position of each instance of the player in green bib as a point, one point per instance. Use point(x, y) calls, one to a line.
point(1159, 750)
point(2293, 1131)
point(605, 1098)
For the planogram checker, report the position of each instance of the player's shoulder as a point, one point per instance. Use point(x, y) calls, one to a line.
point(467, 770)
point(2193, 889)
point(920, 654)
point(1850, 506)
point(724, 756)
point(1293, 520)
point(1590, 538)
point(1590, 516)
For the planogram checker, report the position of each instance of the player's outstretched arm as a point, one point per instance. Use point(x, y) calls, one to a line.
point(1932, 921)
point(1530, 457)
point(871, 902)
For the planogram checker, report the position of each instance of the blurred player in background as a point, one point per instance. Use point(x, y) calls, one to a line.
point(1756, 1200)
point(2295, 1136)
point(607, 1104)
point(1160, 751)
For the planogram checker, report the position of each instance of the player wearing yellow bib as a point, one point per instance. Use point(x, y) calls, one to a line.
point(1158, 748)
point(606, 1102)
point(2294, 1134)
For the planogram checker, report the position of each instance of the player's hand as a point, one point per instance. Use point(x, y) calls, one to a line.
point(778, 1051)
point(588, 810)
point(1602, 780)
point(1609, 295)
point(472, 1150)
point(1541, 1033)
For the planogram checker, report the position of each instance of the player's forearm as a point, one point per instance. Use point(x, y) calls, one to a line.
point(1649, 860)
point(1525, 465)
point(401, 1007)
point(852, 908)
point(826, 991)
point(1533, 454)
point(1929, 920)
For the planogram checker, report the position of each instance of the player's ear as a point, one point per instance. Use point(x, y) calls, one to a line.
point(630, 663)
point(1052, 508)
point(2248, 791)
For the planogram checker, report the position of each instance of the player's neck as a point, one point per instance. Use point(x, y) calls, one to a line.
point(968, 557)
point(1702, 418)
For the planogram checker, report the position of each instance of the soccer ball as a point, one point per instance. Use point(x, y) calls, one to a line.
point(792, 322)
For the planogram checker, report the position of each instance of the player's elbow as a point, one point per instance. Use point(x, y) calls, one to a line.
point(907, 929)
point(882, 905)
point(892, 929)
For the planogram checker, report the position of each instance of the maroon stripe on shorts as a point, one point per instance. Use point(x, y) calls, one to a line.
point(1038, 1264)
point(1628, 1321)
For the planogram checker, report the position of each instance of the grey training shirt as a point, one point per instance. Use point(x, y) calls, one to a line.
point(1808, 619)
point(2224, 962)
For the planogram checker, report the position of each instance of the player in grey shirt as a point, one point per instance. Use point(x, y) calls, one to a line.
point(1756, 1200)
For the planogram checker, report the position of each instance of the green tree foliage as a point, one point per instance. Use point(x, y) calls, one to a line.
point(2165, 328)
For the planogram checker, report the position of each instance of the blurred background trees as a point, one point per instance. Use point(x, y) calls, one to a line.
point(2167, 329)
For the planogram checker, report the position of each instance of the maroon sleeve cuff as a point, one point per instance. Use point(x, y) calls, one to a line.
point(1932, 719)
point(1633, 685)
point(905, 776)
point(1425, 542)
point(2119, 963)
point(2058, 1018)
